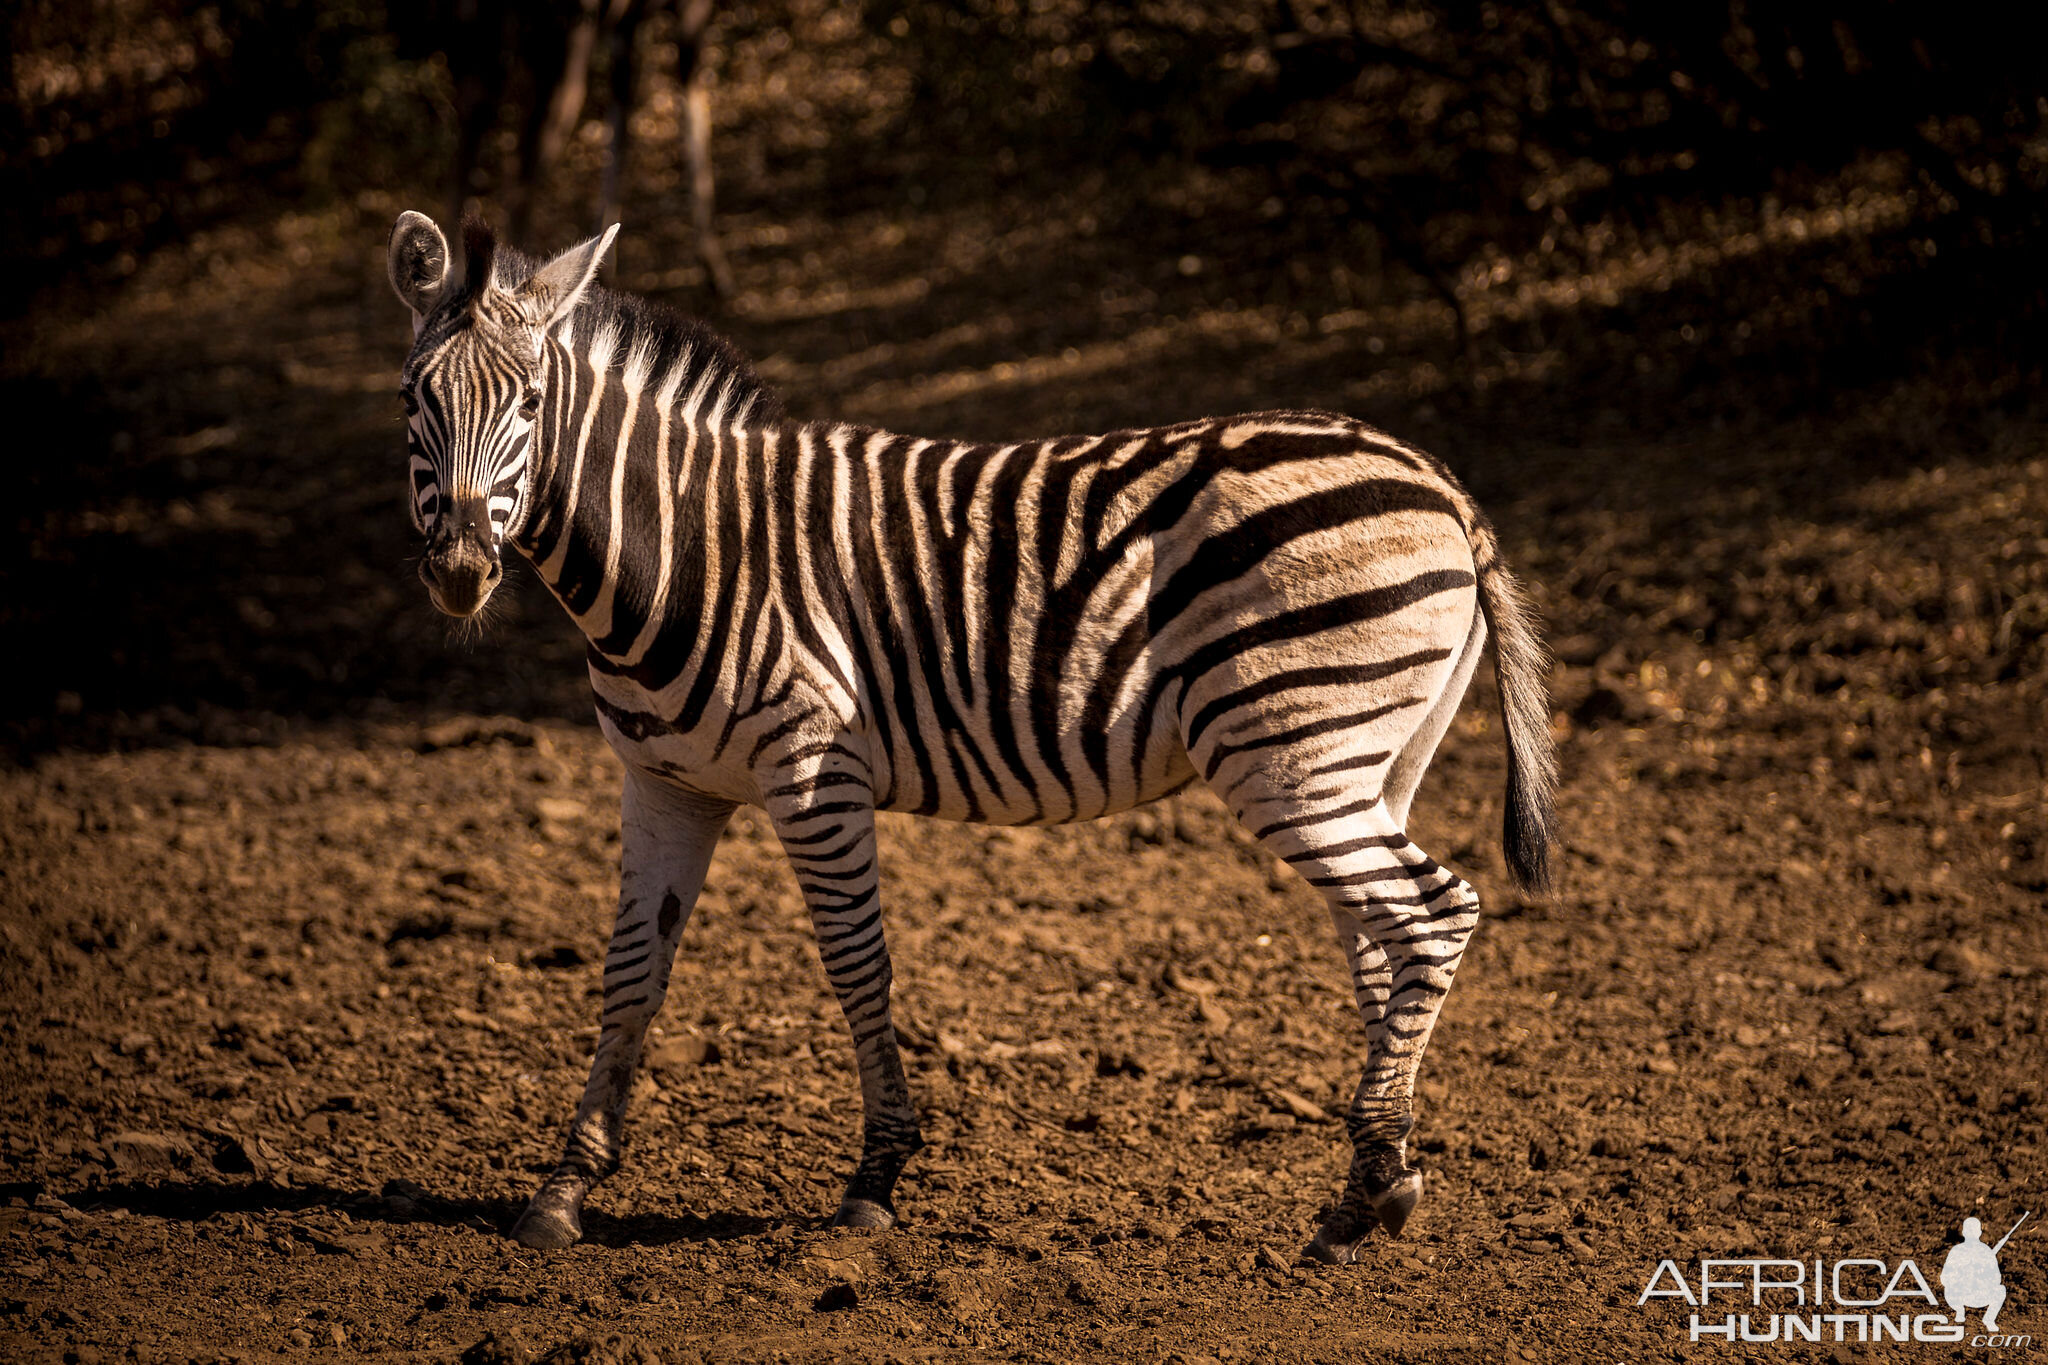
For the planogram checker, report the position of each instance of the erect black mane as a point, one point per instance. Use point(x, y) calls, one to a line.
point(668, 337)
point(479, 252)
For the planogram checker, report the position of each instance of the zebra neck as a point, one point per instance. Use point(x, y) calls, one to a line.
point(642, 483)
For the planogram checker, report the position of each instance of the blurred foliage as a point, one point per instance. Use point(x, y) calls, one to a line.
point(1429, 148)
point(134, 122)
point(1462, 130)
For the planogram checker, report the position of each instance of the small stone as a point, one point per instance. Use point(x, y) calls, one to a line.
point(1749, 1035)
point(1213, 1015)
point(839, 1269)
point(1966, 964)
point(682, 1052)
point(148, 1153)
point(1307, 1110)
point(498, 1348)
point(303, 1339)
point(559, 809)
point(365, 1242)
point(239, 1156)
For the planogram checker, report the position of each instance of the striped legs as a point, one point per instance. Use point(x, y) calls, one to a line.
point(1403, 921)
point(668, 837)
point(831, 845)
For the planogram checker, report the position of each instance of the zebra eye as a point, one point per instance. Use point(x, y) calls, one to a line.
point(530, 404)
point(412, 404)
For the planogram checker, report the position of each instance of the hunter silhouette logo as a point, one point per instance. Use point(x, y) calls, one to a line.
point(1970, 1278)
point(1848, 1299)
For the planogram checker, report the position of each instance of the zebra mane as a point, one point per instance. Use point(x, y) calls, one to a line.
point(668, 339)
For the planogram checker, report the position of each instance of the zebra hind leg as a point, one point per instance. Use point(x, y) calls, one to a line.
point(1403, 921)
point(1353, 1219)
point(668, 839)
point(1409, 921)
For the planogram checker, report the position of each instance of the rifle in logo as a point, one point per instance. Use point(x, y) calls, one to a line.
point(1970, 1277)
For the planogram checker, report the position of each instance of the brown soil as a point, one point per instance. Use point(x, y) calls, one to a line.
point(301, 901)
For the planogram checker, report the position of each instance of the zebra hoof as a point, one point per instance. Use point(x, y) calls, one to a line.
point(1398, 1201)
point(863, 1213)
point(547, 1229)
point(1331, 1251)
point(1342, 1234)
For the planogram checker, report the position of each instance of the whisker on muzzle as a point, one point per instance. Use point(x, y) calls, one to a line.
point(469, 631)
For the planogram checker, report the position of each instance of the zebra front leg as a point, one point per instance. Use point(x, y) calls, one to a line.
point(667, 838)
point(831, 846)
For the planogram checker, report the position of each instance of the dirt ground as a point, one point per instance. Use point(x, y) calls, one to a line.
point(302, 898)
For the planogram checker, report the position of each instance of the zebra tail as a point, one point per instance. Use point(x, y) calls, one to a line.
point(1521, 663)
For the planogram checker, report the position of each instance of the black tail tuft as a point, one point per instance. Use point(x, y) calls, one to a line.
point(1529, 822)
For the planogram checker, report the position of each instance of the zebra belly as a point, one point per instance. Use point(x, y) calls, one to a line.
point(1166, 772)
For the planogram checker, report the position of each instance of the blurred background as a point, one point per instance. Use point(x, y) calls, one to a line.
point(1522, 233)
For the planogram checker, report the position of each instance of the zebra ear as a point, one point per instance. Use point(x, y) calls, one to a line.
point(418, 263)
point(558, 286)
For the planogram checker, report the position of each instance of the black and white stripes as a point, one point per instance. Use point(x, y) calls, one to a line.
point(826, 620)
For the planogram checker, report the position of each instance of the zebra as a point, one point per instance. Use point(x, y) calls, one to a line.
point(826, 620)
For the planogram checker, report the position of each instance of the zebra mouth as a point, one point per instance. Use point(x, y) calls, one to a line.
point(460, 590)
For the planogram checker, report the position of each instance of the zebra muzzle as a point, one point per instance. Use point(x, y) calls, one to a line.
point(461, 565)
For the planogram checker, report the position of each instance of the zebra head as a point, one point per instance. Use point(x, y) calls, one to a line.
point(473, 392)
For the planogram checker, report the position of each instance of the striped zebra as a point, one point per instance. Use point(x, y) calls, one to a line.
point(826, 620)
